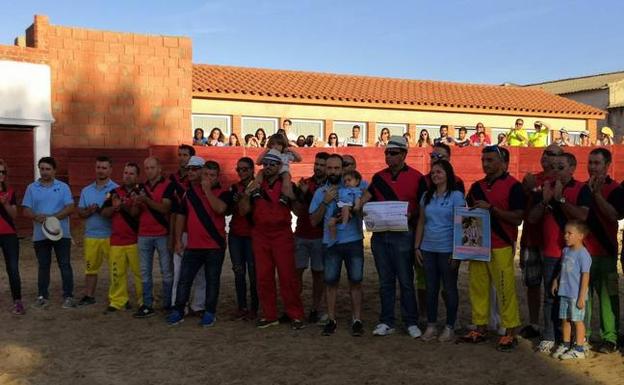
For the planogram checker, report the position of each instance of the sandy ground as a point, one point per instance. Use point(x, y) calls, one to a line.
point(84, 346)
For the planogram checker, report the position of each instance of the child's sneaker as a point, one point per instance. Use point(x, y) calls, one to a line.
point(175, 318)
point(208, 320)
point(430, 333)
point(561, 350)
point(573, 354)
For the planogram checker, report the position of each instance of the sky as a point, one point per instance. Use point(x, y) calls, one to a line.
point(453, 40)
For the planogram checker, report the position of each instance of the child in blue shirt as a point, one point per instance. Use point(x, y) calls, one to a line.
point(349, 195)
point(572, 287)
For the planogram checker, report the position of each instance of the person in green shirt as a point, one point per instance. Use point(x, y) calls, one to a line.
point(517, 137)
point(539, 138)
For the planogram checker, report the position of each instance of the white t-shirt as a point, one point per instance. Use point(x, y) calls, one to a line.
point(286, 157)
point(291, 136)
point(353, 142)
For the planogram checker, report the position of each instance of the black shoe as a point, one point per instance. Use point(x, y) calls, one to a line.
point(284, 319)
point(255, 194)
point(86, 301)
point(357, 329)
point(265, 323)
point(529, 332)
point(110, 310)
point(144, 312)
point(297, 324)
point(329, 328)
point(607, 347)
point(283, 199)
point(313, 317)
point(127, 306)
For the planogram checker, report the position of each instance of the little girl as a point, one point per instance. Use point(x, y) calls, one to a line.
point(279, 143)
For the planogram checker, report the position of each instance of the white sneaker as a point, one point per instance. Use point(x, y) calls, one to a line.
point(561, 350)
point(573, 354)
point(383, 330)
point(545, 347)
point(430, 333)
point(414, 331)
point(448, 333)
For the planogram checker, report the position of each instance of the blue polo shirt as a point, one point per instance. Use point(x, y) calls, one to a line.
point(48, 200)
point(351, 232)
point(96, 226)
point(439, 216)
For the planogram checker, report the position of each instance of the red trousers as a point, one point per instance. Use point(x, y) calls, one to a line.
point(277, 250)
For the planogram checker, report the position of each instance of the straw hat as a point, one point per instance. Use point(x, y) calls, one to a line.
point(52, 229)
point(607, 131)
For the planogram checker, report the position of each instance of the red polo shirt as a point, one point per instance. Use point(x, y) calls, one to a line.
point(304, 227)
point(124, 227)
point(602, 239)
point(151, 222)
point(269, 215)
point(532, 234)
point(554, 220)
point(7, 226)
point(205, 228)
point(240, 225)
point(504, 193)
point(407, 186)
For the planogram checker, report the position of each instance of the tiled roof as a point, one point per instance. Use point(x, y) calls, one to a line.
point(241, 83)
point(583, 83)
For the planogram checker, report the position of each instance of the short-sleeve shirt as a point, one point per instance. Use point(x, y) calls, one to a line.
point(96, 226)
point(240, 225)
point(124, 227)
point(7, 226)
point(439, 218)
point(602, 239)
point(517, 137)
point(348, 195)
point(151, 222)
point(351, 232)
point(205, 227)
point(48, 200)
point(474, 138)
point(504, 193)
point(574, 263)
point(304, 227)
point(538, 138)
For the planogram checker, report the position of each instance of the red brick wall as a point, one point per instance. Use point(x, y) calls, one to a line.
point(23, 54)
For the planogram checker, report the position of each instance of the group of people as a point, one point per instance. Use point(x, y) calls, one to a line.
point(569, 243)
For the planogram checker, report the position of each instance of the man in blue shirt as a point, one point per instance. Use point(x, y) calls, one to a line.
point(49, 197)
point(348, 246)
point(97, 228)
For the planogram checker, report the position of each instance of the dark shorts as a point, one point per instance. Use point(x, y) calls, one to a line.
point(352, 253)
point(532, 272)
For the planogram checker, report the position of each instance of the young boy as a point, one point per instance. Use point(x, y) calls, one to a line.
point(572, 287)
point(348, 199)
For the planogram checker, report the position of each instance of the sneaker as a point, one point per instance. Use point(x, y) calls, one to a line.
point(414, 331)
point(473, 337)
point(448, 333)
point(529, 332)
point(40, 303)
point(323, 320)
point(313, 317)
point(430, 333)
point(573, 354)
point(297, 324)
point(208, 320)
point(284, 319)
point(383, 330)
point(607, 347)
point(69, 303)
point(265, 323)
point(18, 308)
point(329, 328)
point(110, 310)
point(86, 301)
point(507, 344)
point(545, 347)
point(561, 349)
point(357, 328)
point(144, 312)
point(175, 318)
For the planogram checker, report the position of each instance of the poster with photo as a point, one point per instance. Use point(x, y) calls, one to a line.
point(471, 234)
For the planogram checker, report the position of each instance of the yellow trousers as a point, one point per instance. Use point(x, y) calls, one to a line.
point(499, 272)
point(122, 257)
point(95, 251)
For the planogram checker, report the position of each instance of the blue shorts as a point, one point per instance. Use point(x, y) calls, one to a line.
point(569, 311)
point(352, 253)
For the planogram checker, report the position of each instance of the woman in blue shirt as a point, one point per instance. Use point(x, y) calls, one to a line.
point(434, 246)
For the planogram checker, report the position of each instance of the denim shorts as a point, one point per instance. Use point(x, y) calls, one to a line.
point(568, 309)
point(532, 272)
point(309, 252)
point(352, 253)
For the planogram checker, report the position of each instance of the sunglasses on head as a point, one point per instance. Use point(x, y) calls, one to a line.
point(392, 153)
point(494, 148)
point(269, 163)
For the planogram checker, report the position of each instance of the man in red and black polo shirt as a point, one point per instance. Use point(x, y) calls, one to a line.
point(155, 200)
point(8, 239)
point(394, 250)
point(273, 246)
point(531, 240)
point(309, 238)
point(121, 208)
point(557, 202)
point(606, 208)
point(502, 195)
point(202, 214)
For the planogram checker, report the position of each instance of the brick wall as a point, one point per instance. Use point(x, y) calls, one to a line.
point(23, 54)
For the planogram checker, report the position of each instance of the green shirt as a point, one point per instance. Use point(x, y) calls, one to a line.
point(517, 138)
point(538, 138)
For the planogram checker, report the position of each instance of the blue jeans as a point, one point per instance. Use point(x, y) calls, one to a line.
point(147, 246)
point(192, 261)
point(10, 248)
point(394, 259)
point(552, 323)
point(241, 254)
point(43, 251)
point(352, 253)
point(438, 266)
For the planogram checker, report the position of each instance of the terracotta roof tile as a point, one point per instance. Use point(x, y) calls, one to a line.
point(335, 89)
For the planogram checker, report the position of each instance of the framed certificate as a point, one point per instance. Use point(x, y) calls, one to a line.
point(471, 234)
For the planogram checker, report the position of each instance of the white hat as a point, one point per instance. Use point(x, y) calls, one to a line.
point(52, 229)
point(397, 142)
point(273, 155)
point(196, 161)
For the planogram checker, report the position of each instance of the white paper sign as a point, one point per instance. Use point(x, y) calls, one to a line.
point(385, 216)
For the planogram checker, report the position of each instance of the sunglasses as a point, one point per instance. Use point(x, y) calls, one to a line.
point(194, 168)
point(519, 124)
point(392, 153)
point(242, 169)
point(435, 155)
point(269, 164)
point(3, 172)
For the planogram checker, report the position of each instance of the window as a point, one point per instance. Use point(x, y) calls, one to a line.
point(308, 127)
point(251, 125)
point(344, 129)
point(395, 129)
point(208, 122)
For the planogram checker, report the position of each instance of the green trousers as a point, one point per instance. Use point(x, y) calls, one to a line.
point(603, 281)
